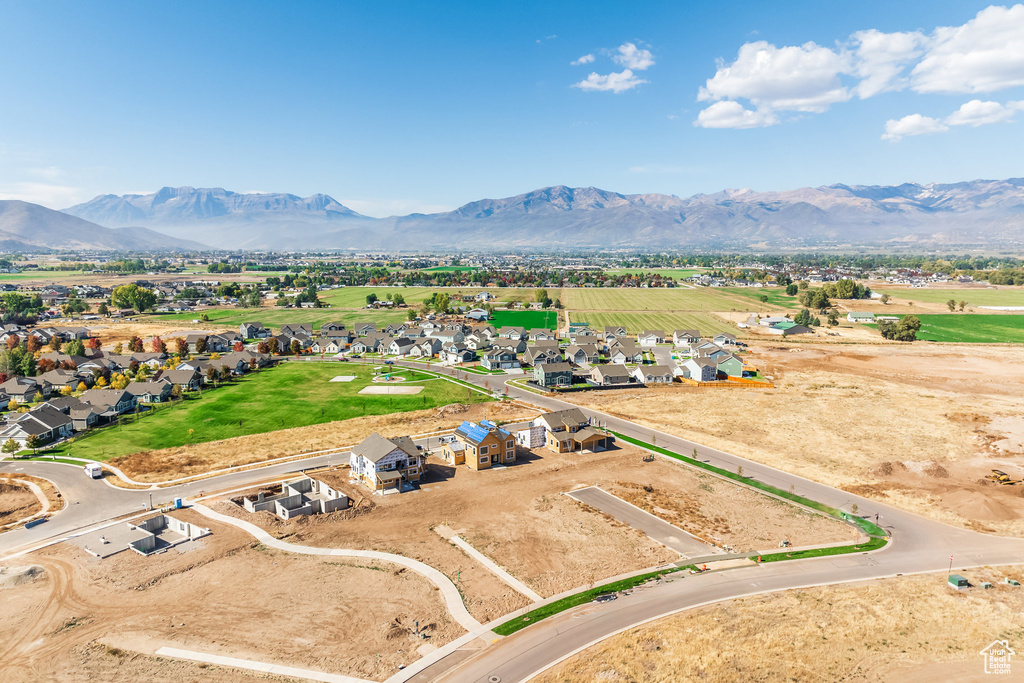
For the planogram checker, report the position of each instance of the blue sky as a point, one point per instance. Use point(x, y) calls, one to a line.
point(400, 107)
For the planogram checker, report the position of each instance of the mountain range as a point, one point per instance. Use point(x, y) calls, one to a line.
point(977, 212)
point(30, 227)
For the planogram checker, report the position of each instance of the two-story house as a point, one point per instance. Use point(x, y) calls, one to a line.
point(480, 446)
point(569, 430)
point(385, 463)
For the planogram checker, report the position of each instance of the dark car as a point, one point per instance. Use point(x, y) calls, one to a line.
point(607, 597)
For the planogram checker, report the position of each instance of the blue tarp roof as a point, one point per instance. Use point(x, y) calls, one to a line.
point(477, 432)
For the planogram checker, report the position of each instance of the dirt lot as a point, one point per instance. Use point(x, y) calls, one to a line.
point(17, 501)
point(86, 619)
point(898, 631)
point(109, 332)
point(184, 461)
point(915, 425)
point(518, 517)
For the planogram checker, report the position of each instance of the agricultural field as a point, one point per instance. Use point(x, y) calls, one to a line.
point(776, 296)
point(657, 299)
point(973, 328)
point(355, 297)
point(544, 320)
point(294, 394)
point(707, 323)
point(974, 296)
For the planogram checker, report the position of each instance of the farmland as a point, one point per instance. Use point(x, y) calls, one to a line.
point(275, 317)
point(974, 296)
point(707, 323)
point(976, 328)
point(292, 395)
point(657, 299)
point(776, 296)
point(355, 297)
point(545, 320)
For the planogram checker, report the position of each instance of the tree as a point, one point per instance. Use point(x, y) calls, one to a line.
point(371, 299)
point(211, 375)
point(237, 346)
point(45, 365)
point(55, 344)
point(951, 305)
point(791, 289)
point(225, 373)
point(118, 381)
point(399, 300)
point(133, 296)
point(263, 347)
point(118, 348)
point(200, 344)
point(32, 442)
point(102, 309)
point(158, 345)
point(12, 342)
point(296, 346)
point(135, 344)
point(33, 344)
point(805, 318)
point(962, 306)
point(81, 387)
point(101, 382)
point(181, 346)
point(10, 446)
point(558, 304)
point(541, 295)
point(66, 390)
point(75, 347)
point(274, 345)
point(763, 298)
point(905, 330)
point(885, 299)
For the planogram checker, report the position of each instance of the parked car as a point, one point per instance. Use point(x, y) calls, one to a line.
point(607, 597)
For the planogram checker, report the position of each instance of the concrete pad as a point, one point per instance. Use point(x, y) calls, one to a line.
point(391, 390)
point(343, 378)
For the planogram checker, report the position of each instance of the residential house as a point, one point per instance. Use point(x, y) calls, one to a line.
point(700, 369)
point(612, 333)
point(83, 416)
point(253, 331)
point(44, 422)
point(480, 446)
point(459, 353)
point(150, 392)
point(110, 402)
point(860, 317)
point(500, 359)
point(543, 335)
point(297, 329)
point(730, 365)
point(685, 337)
point(188, 379)
point(428, 347)
point(58, 379)
point(513, 333)
point(569, 430)
point(552, 374)
point(385, 463)
point(325, 346)
point(516, 346)
point(26, 389)
point(625, 351)
point(539, 354)
point(363, 329)
point(582, 354)
point(484, 296)
point(332, 327)
point(610, 375)
point(478, 314)
point(401, 347)
point(725, 339)
point(653, 374)
point(651, 337)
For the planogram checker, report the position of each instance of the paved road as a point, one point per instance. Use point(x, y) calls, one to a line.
point(918, 545)
point(655, 527)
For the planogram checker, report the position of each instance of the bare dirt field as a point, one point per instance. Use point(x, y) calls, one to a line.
point(518, 517)
point(918, 426)
point(17, 500)
point(196, 459)
point(89, 619)
point(893, 631)
point(110, 332)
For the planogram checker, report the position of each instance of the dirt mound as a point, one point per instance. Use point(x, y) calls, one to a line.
point(451, 409)
point(974, 505)
point(16, 576)
point(936, 470)
point(888, 468)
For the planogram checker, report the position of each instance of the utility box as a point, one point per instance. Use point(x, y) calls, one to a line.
point(958, 582)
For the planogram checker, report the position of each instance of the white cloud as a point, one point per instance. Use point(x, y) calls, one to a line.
point(633, 57)
point(585, 59)
point(49, 195)
point(984, 55)
point(914, 124)
point(613, 82)
point(880, 59)
point(792, 78)
point(977, 113)
point(731, 114)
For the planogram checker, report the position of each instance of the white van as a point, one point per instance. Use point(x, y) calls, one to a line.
point(93, 471)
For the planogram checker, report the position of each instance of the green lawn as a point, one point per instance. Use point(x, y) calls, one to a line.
point(355, 297)
point(275, 317)
point(635, 323)
point(544, 320)
point(294, 394)
point(1007, 296)
point(973, 328)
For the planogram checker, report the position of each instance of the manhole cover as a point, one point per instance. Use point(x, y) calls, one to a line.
point(494, 679)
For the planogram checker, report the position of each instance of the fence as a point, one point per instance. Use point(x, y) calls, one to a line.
point(731, 382)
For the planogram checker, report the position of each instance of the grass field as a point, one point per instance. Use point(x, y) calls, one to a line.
point(294, 394)
point(972, 328)
point(658, 299)
point(451, 269)
point(545, 320)
point(776, 296)
point(707, 323)
point(355, 297)
point(1009, 296)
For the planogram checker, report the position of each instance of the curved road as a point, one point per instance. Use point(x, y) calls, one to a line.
point(918, 545)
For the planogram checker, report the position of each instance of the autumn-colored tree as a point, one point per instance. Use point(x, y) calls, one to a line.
point(253, 365)
point(46, 364)
point(55, 344)
point(237, 346)
point(225, 373)
point(211, 375)
point(158, 345)
point(180, 346)
point(66, 390)
point(81, 387)
point(135, 344)
point(92, 343)
point(102, 381)
point(33, 344)
point(273, 345)
point(296, 346)
point(68, 365)
point(12, 342)
point(118, 381)
point(263, 347)
point(201, 345)
point(214, 356)
point(118, 348)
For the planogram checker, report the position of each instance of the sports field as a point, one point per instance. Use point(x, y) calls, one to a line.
point(972, 328)
point(294, 394)
point(634, 323)
point(544, 320)
point(1006, 296)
